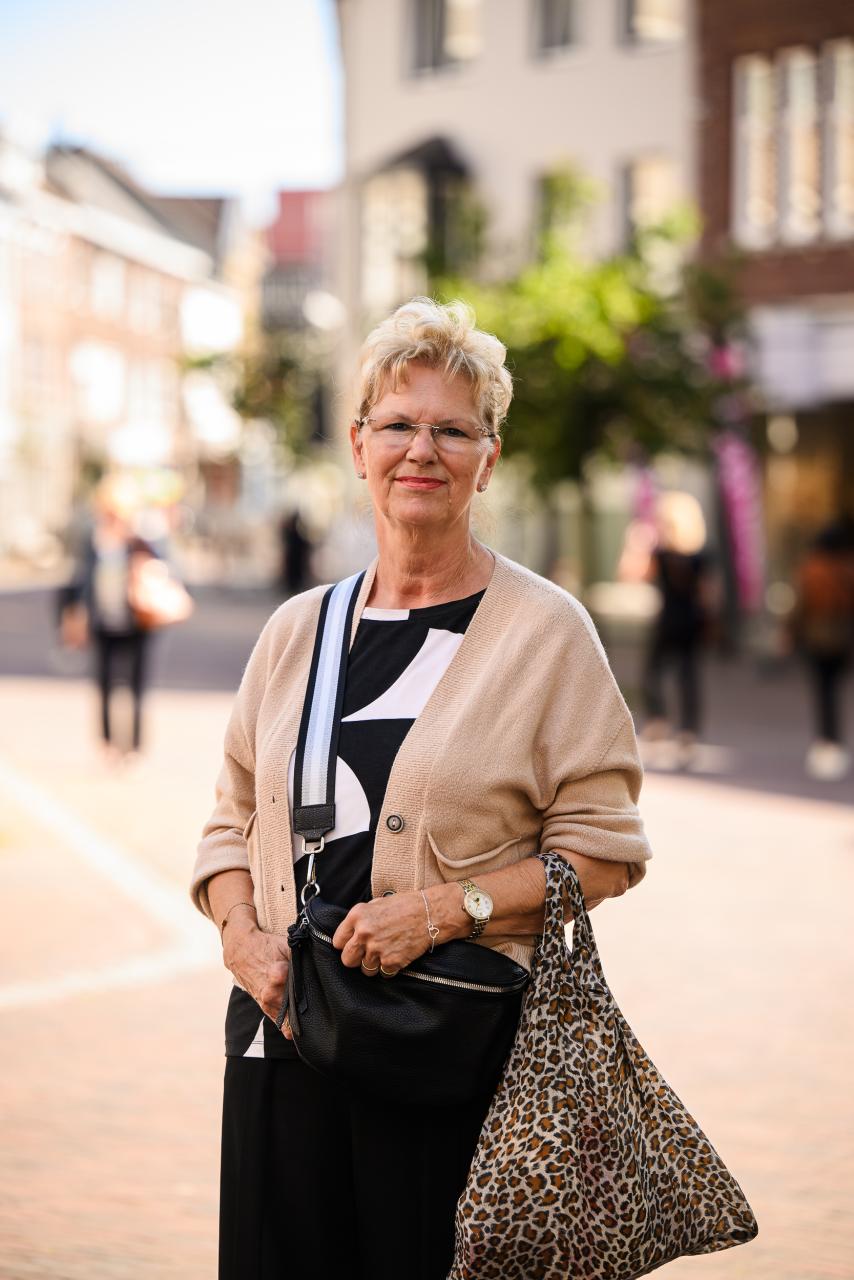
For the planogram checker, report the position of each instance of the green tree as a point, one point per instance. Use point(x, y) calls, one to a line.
point(610, 357)
point(277, 379)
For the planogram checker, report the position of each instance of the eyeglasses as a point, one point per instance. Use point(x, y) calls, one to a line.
point(448, 437)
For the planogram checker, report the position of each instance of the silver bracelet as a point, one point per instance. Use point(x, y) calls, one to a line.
point(431, 928)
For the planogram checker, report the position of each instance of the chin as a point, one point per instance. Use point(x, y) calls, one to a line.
point(417, 511)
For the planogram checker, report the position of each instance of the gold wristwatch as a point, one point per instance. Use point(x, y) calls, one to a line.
point(478, 904)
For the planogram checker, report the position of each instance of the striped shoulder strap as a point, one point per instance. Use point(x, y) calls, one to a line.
point(317, 745)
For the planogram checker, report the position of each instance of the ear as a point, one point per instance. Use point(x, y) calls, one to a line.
point(494, 455)
point(356, 446)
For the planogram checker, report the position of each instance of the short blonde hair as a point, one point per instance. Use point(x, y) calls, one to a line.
point(681, 523)
point(441, 336)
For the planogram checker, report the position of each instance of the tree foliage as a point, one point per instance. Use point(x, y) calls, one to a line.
point(610, 356)
point(276, 379)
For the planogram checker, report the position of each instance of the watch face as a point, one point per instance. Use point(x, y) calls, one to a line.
point(478, 904)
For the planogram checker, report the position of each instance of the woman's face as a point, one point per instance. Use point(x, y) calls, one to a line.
point(418, 482)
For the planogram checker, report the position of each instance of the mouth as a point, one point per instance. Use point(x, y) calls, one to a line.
point(418, 482)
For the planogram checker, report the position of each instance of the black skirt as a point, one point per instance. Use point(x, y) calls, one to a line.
point(317, 1181)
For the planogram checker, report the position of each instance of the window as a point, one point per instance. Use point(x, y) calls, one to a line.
point(560, 198)
point(654, 21)
point(799, 169)
point(649, 192)
point(793, 156)
point(98, 371)
point(755, 152)
point(107, 286)
point(146, 302)
point(152, 392)
point(395, 233)
point(445, 32)
point(838, 138)
point(555, 25)
point(36, 370)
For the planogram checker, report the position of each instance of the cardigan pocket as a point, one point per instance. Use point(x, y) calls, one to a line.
point(460, 864)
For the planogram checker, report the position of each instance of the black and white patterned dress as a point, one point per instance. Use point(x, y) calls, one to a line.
point(397, 660)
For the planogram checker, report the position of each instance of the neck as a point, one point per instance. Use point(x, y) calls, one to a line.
point(415, 573)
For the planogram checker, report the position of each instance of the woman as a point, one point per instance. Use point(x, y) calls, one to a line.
point(676, 561)
point(95, 606)
point(821, 626)
point(481, 721)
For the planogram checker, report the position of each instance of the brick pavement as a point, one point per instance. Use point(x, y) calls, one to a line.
point(733, 962)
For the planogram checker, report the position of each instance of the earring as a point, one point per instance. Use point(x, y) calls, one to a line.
point(361, 475)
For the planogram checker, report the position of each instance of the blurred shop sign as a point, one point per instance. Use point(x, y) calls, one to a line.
point(804, 355)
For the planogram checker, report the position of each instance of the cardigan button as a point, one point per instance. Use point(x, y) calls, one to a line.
point(394, 822)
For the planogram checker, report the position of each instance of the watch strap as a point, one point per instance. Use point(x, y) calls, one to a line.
point(479, 925)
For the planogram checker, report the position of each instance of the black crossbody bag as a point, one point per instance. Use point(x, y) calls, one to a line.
point(441, 1029)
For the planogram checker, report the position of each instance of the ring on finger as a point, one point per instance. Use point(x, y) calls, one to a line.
point(370, 972)
point(389, 973)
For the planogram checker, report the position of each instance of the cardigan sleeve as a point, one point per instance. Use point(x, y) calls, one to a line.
point(223, 845)
point(597, 814)
point(593, 763)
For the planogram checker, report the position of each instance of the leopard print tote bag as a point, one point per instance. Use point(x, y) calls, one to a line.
point(588, 1166)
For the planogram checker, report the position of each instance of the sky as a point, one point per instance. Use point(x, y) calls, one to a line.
point(190, 95)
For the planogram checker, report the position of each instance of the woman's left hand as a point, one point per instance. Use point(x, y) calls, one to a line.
point(386, 933)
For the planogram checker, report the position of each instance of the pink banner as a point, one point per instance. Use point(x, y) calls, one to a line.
point(741, 491)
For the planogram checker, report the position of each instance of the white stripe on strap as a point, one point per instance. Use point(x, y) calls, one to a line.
point(316, 758)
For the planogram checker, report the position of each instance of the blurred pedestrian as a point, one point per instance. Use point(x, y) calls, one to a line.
point(113, 580)
point(674, 558)
point(821, 627)
point(295, 575)
point(480, 722)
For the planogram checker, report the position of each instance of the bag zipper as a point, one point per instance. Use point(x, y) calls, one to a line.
point(425, 977)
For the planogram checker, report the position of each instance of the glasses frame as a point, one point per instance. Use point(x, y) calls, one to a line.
point(432, 426)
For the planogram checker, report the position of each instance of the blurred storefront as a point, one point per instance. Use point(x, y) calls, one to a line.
point(777, 180)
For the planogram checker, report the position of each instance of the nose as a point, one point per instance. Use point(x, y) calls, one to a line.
point(422, 448)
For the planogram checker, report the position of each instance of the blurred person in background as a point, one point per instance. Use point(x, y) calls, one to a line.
point(821, 627)
point(672, 555)
point(449, 728)
point(96, 606)
point(295, 574)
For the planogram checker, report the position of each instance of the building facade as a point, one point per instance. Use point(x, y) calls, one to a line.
point(103, 305)
point(776, 150)
point(446, 99)
point(456, 109)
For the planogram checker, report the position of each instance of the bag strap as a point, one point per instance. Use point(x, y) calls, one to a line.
point(317, 744)
point(562, 883)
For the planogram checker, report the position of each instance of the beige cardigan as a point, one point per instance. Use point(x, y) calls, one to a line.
point(525, 743)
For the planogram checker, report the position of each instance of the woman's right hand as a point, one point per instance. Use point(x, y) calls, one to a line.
point(259, 962)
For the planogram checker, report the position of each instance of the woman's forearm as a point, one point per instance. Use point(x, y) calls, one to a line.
point(258, 961)
point(518, 894)
point(227, 890)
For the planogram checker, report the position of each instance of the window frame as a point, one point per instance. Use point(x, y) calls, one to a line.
point(626, 185)
point(747, 233)
point(788, 63)
point(440, 62)
point(630, 37)
point(539, 49)
point(837, 226)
